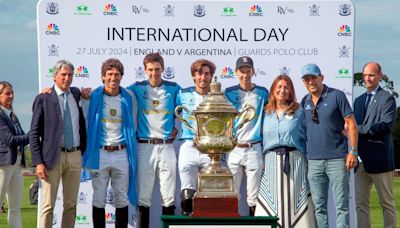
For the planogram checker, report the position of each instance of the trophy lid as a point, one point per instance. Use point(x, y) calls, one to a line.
point(215, 101)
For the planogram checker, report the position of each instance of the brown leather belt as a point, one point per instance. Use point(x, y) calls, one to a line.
point(113, 148)
point(72, 149)
point(247, 145)
point(156, 141)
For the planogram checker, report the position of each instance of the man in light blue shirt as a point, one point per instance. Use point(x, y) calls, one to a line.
point(155, 135)
point(190, 159)
point(247, 155)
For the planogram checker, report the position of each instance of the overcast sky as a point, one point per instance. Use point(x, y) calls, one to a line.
point(377, 38)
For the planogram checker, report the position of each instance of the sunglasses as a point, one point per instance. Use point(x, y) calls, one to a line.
point(314, 115)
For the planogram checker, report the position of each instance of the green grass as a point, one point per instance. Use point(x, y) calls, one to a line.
point(29, 211)
point(376, 210)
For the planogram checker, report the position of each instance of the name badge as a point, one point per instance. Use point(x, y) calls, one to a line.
point(289, 117)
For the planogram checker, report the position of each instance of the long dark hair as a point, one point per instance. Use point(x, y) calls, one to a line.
point(270, 107)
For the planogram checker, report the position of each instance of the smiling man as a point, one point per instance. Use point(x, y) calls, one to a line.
point(57, 140)
point(326, 112)
point(111, 147)
point(247, 156)
point(190, 159)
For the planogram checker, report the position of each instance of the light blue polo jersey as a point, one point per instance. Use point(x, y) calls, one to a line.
point(156, 107)
point(326, 140)
point(189, 99)
point(257, 98)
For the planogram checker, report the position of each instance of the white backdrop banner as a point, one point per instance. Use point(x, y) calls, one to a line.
point(280, 36)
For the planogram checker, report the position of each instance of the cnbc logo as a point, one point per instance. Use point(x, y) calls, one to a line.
point(82, 10)
point(344, 30)
point(110, 218)
point(52, 29)
point(228, 11)
point(227, 73)
point(110, 9)
point(256, 10)
point(343, 73)
point(82, 219)
point(82, 72)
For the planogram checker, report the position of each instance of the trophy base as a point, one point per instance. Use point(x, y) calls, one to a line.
point(215, 196)
point(215, 207)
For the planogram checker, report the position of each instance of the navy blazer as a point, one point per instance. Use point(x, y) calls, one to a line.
point(47, 128)
point(375, 142)
point(9, 141)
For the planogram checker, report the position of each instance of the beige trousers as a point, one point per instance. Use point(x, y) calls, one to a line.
point(69, 170)
point(384, 185)
point(11, 184)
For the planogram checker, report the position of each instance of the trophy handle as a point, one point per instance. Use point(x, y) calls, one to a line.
point(177, 110)
point(247, 118)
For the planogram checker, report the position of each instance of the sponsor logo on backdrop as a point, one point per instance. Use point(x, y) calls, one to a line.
point(256, 10)
point(82, 198)
point(53, 50)
point(52, 8)
point(227, 73)
point(110, 9)
point(344, 30)
point(169, 73)
point(139, 73)
point(139, 9)
point(82, 219)
point(49, 72)
point(82, 72)
point(110, 218)
point(345, 9)
point(259, 72)
point(169, 11)
point(228, 11)
point(199, 11)
point(314, 11)
point(284, 10)
point(53, 29)
point(82, 10)
point(343, 73)
point(285, 71)
point(344, 51)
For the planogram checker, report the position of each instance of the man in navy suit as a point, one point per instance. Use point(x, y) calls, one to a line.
point(375, 113)
point(57, 142)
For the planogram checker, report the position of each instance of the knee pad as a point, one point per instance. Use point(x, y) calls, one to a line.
point(187, 201)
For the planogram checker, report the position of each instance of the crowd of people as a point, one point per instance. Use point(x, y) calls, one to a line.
point(290, 153)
